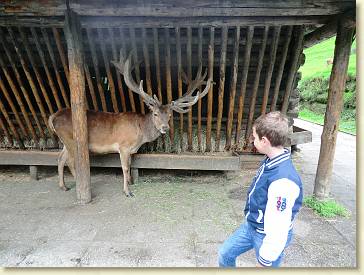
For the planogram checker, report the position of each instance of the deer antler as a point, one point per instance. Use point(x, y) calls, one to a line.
point(182, 104)
point(124, 67)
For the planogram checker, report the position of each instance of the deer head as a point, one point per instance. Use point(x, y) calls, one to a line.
point(161, 114)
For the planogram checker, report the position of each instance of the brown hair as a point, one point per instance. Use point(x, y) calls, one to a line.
point(273, 126)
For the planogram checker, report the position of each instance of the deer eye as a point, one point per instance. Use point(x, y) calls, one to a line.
point(155, 114)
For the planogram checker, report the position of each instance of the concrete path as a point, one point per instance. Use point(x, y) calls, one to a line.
point(176, 219)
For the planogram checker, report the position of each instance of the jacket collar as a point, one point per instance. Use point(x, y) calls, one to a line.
point(270, 163)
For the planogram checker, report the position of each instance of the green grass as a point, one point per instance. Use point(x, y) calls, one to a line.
point(346, 126)
point(328, 208)
point(316, 56)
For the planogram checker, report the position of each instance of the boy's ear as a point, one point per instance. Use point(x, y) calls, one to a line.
point(265, 140)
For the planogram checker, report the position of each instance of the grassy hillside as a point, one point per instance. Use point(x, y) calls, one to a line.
point(314, 86)
point(316, 57)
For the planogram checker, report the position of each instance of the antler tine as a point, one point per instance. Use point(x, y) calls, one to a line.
point(182, 104)
point(125, 68)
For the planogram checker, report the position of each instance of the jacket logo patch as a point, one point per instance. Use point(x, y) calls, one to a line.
point(281, 203)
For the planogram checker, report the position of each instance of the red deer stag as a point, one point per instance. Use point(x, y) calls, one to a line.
point(123, 133)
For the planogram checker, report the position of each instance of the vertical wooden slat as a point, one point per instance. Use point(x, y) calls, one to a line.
point(293, 69)
point(224, 37)
point(272, 58)
point(281, 69)
point(45, 66)
point(55, 68)
point(31, 83)
point(189, 75)
point(157, 64)
point(91, 87)
point(12, 127)
point(169, 83)
point(78, 98)
point(62, 55)
point(35, 70)
point(123, 51)
point(256, 84)
point(233, 81)
point(96, 69)
point(21, 85)
point(136, 61)
point(147, 62)
point(12, 106)
point(118, 76)
point(243, 82)
point(344, 39)
point(210, 95)
point(199, 102)
point(5, 129)
point(108, 71)
point(179, 80)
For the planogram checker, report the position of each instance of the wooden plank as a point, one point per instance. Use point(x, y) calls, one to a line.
point(118, 76)
point(55, 68)
point(233, 82)
point(243, 87)
point(22, 88)
point(62, 55)
point(124, 46)
point(108, 71)
point(135, 55)
point(78, 105)
point(46, 69)
point(96, 70)
point(210, 93)
point(175, 8)
point(150, 161)
point(297, 50)
point(203, 21)
point(224, 35)
point(333, 110)
point(91, 87)
point(199, 102)
point(179, 81)
point(268, 77)
point(169, 85)
point(256, 84)
point(278, 79)
point(189, 75)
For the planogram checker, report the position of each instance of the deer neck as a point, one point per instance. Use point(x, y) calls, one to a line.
point(151, 132)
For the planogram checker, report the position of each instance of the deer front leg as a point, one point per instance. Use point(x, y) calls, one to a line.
point(62, 158)
point(125, 165)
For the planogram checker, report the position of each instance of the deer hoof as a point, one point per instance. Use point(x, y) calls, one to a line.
point(64, 188)
point(129, 194)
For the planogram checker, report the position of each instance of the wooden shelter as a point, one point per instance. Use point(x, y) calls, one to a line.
point(56, 54)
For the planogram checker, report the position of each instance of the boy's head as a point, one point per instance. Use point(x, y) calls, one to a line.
point(271, 127)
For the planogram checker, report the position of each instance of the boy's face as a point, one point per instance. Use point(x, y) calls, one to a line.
point(260, 144)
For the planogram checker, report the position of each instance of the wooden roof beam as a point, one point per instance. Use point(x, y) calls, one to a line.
point(329, 30)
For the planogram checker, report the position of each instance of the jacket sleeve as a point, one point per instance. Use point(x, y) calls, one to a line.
point(282, 195)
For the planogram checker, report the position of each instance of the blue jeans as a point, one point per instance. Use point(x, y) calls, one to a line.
point(242, 240)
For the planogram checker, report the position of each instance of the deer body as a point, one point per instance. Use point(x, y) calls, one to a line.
point(123, 133)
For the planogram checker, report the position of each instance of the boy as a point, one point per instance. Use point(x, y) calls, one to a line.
point(273, 200)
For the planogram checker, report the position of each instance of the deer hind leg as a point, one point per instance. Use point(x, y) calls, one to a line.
point(125, 164)
point(62, 158)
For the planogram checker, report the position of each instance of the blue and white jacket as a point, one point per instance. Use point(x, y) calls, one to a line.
point(274, 198)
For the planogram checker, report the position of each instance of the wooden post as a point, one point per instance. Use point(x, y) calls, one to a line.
point(33, 171)
point(78, 105)
point(333, 109)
